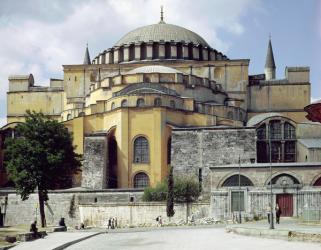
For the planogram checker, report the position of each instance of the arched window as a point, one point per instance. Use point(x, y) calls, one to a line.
point(147, 79)
point(113, 106)
point(140, 102)
point(141, 150)
point(167, 50)
point(179, 51)
point(141, 180)
point(157, 102)
point(230, 115)
point(143, 51)
point(284, 180)
point(131, 52)
point(68, 117)
point(121, 54)
point(190, 51)
point(155, 51)
point(124, 103)
point(317, 182)
point(289, 131)
point(200, 52)
point(282, 137)
point(233, 181)
point(81, 114)
point(172, 104)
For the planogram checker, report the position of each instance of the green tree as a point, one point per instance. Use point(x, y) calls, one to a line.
point(170, 194)
point(186, 189)
point(41, 157)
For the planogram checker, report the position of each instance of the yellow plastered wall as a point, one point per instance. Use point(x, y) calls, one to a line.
point(50, 103)
point(264, 97)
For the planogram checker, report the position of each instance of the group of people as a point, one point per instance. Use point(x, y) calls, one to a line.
point(278, 213)
point(112, 223)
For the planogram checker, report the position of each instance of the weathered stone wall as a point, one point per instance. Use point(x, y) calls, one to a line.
point(94, 208)
point(95, 170)
point(194, 151)
point(61, 204)
point(139, 214)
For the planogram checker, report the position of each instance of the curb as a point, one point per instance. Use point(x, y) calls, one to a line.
point(75, 241)
point(276, 234)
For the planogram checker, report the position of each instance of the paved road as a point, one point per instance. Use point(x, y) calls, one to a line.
point(52, 241)
point(187, 238)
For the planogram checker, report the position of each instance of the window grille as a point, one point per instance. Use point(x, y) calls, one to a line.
point(141, 150)
point(141, 180)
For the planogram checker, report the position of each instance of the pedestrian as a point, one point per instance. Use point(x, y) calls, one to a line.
point(278, 213)
point(34, 230)
point(160, 221)
point(113, 223)
point(62, 223)
point(109, 223)
point(268, 212)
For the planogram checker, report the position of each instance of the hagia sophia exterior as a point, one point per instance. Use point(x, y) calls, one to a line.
point(162, 96)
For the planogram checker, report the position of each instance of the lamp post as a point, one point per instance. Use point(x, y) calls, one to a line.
point(240, 215)
point(271, 193)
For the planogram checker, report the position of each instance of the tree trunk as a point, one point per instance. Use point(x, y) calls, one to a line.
point(187, 210)
point(42, 208)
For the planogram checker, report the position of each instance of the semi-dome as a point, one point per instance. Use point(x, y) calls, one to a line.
point(161, 32)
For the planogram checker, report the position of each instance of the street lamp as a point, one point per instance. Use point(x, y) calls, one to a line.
point(271, 193)
point(240, 215)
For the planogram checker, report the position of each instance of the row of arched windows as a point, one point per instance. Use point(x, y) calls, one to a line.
point(141, 103)
point(281, 179)
point(193, 53)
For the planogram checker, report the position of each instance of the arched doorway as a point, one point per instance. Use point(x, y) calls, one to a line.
point(285, 199)
point(112, 162)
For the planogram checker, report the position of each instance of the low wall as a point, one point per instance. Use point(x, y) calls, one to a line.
point(139, 214)
point(60, 204)
point(95, 207)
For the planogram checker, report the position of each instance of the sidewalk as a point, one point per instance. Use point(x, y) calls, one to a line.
point(289, 229)
point(55, 241)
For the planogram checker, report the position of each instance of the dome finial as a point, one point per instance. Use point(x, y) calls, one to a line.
point(162, 15)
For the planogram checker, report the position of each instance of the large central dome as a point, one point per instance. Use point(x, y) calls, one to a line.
point(162, 32)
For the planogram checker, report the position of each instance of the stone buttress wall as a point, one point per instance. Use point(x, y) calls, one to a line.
point(95, 171)
point(194, 151)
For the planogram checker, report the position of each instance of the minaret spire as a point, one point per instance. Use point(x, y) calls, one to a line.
point(87, 57)
point(162, 15)
point(269, 62)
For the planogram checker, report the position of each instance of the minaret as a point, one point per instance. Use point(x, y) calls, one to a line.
point(269, 69)
point(87, 57)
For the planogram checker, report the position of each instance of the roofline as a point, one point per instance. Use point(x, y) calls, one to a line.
point(267, 165)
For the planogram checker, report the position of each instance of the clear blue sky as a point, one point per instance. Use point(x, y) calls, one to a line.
point(39, 36)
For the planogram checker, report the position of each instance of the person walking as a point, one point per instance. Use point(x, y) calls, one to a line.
point(268, 212)
point(278, 213)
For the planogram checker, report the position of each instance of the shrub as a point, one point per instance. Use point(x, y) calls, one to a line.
point(186, 189)
point(157, 193)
